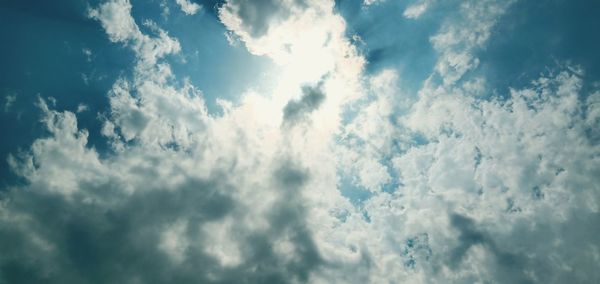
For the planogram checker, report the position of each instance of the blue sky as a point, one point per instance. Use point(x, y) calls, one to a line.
point(375, 141)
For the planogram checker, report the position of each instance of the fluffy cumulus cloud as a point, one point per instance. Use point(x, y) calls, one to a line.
point(464, 185)
point(188, 7)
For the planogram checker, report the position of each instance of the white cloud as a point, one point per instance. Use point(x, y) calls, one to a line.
point(475, 175)
point(489, 174)
point(9, 101)
point(416, 10)
point(88, 54)
point(366, 137)
point(371, 2)
point(231, 38)
point(66, 159)
point(460, 37)
point(221, 242)
point(116, 20)
point(188, 7)
point(115, 17)
point(202, 169)
point(306, 38)
point(82, 107)
point(174, 242)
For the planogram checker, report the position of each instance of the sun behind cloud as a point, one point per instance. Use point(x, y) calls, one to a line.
point(353, 162)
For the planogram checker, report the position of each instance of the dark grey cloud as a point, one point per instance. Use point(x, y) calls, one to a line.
point(113, 239)
point(297, 110)
point(103, 235)
point(258, 15)
point(522, 255)
point(470, 236)
point(287, 220)
point(508, 267)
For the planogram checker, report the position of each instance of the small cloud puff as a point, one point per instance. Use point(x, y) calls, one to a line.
point(188, 7)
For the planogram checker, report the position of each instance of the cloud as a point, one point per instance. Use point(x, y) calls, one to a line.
point(149, 215)
point(149, 210)
point(82, 108)
point(188, 7)
point(9, 101)
point(296, 110)
point(116, 20)
point(456, 45)
point(476, 177)
point(371, 2)
point(459, 177)
point(416, 10)
point(306, 38)
point(88, 54)
point(365, 138)
point(115, 17)
point(464, 186)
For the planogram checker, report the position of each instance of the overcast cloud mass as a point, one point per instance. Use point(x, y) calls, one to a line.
point(300, 141)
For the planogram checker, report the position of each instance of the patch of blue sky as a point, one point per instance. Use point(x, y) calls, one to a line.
point(221, 70)
point(532, 38)
point(350, 189)
point(395, 182)
point(390, 40)
point(537, 37)
point(53, 50)
point(56, 51)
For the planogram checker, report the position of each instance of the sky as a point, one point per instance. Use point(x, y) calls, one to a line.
point(299, 141)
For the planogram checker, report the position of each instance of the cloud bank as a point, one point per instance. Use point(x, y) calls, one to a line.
point(464, 185)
